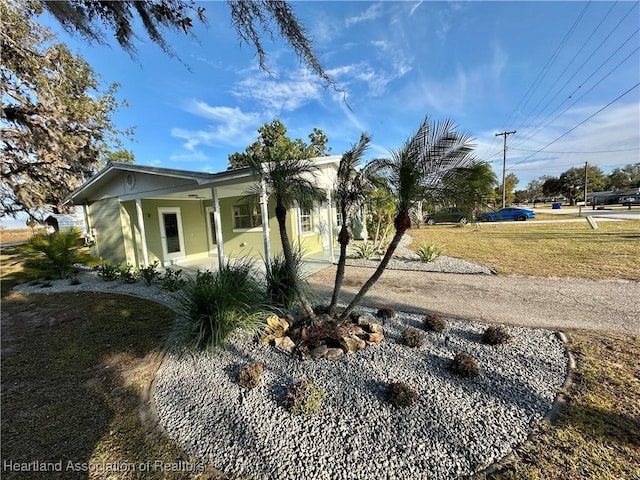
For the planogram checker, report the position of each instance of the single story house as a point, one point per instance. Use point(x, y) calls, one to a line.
point(139, 214)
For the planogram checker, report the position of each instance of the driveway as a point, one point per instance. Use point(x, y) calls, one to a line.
point(553, 303)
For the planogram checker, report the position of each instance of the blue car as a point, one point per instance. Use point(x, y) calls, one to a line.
point(507, 213)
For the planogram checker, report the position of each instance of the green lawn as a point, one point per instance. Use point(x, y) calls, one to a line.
point(544, 249)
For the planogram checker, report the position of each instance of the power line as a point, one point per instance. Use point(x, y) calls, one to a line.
point(583, 153)
point(581, 123)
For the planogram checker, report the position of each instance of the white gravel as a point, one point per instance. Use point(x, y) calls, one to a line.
point(456, 427)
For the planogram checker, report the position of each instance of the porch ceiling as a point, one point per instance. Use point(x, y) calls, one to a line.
point(205, 193)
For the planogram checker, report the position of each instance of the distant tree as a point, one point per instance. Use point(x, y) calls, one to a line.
point(520, 196)
point(56, 122)
point(510, 180)
point(274, 136)
point(535, 190)
point(118, 156)
point(552, 187)
point(623, 178)
point(252, 20)
point(572, 182)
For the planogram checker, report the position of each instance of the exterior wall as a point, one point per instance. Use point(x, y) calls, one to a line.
point(107, 230)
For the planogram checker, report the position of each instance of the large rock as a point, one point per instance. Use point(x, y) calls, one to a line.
point(333, 353)
point(375, 328)
point(375, 337)
point(319, 351)
point(285, 344)
point(352, 344)
point(365, 319)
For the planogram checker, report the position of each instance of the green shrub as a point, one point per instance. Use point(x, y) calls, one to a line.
point(215, 305)
point(495, 335)
point(413, 337)
point(428, 252)
point(172, 280)
point(434, 322)
point(386, 313)
point(108, 272)
point(399, 394)
point(304, 398)
point(282, 286)
point(464, 365)
point(365, 250)
point(128, 274)
point(150, 274)
point(61, 251)
point(249, 375)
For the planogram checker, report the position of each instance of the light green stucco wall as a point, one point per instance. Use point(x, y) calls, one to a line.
point(107, 225)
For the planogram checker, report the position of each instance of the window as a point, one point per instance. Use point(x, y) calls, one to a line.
point(306, 225)
point(246, 216)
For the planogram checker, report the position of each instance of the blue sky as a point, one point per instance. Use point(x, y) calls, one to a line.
point(540, 68)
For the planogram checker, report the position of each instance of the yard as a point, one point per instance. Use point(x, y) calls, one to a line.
point(75, 366)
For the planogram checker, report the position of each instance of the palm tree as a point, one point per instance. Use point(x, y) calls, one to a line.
point(289, 180)
point(416, 170)
point(469, 187)
point(351, 188)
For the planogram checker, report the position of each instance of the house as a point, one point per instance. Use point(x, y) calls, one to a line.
point(138, 214)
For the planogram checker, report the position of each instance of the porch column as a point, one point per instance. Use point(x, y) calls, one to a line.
point(264, 211)
point(299, 226)
point(365, 234)
point(143, 232)
point(217, 225)
point(330, 215)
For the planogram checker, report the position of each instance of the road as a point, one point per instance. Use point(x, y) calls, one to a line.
point(553, 303)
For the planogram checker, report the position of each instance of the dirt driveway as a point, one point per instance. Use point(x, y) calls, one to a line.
point(554, 303)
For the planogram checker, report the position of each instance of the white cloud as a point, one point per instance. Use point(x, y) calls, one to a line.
point(280, 94)
point(190, 156)
point(415, 7)
point(231, 126)
point(371, 13)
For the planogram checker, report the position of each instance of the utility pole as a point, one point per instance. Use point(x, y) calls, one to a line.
point(585, 184)
point(504, 163)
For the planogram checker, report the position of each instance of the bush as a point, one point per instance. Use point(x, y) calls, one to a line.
point(249, 375)
point(428, 252)
point(172, 280)
point(150, 274)
point(215, 305)
point(386, 313)
point(304, 398)
point(399, 394)
point(413, 337)
point(365, 250)
point(434, 322)
point(283, 286)
point(464, 365)
point(61, 250)
point(128, 274)
point(495, 335)
point(108, 272)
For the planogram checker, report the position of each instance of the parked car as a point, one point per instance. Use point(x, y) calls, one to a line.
point(451, 214)
point(631, 200)
point(506, 213)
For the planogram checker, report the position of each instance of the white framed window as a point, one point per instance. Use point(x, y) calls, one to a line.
point(306, 220)
point(246, 216)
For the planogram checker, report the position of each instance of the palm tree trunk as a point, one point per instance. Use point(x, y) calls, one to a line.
point(343, 238)
point(376, 275)
point(281, 216)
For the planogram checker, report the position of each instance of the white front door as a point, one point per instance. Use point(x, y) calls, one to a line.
point(211, 231)
point(171, 233)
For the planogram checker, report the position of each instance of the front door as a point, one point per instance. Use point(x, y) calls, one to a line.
point(211, 227)
point(171, 233)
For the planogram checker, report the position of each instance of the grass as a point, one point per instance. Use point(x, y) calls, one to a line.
point(544, 249)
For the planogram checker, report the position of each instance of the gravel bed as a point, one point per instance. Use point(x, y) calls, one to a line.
point(456, 427)
point(406, 259)
point(91, 282)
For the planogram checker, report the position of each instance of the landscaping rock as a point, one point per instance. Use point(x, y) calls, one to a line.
point(376, 337)
point(333, 353)
point(352, 344)
point(375, 328)
point(285, 344)
point(319, 351)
